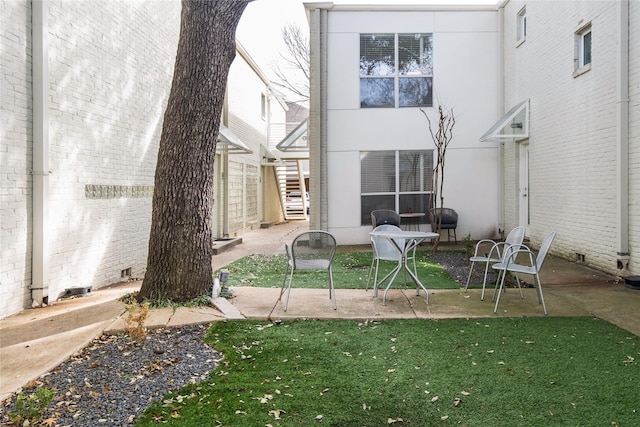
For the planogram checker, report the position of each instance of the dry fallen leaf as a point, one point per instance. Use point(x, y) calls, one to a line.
point(434, 399)
point(276, 413)
point(457, 401)
point(49, 422)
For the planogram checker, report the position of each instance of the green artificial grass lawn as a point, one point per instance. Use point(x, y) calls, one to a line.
point(479, 372)
point(350, 271)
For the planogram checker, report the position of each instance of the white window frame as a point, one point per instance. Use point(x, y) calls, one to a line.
point(264, 106)
point(583, 36)
point(397, 76)
point(521, 26)
point(396, 189)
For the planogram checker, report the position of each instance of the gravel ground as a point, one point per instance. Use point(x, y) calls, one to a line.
point(457, 264)
point(112, 381)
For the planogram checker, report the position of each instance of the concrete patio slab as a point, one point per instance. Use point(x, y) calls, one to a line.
point(26, 361)
point(195, 316)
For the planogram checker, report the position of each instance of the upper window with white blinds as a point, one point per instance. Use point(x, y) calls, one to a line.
point(396, 70)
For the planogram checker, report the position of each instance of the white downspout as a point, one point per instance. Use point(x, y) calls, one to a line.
point(40, 173)
point(501, 220)
point(314, 133)
point(622, 137)
point(224, 167)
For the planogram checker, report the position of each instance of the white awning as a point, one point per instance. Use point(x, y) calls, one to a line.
point(269, 158)
point(230, 142)
point(512, 126)
point(296, 140)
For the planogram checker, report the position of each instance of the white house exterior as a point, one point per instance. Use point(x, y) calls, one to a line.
point(566, 159)
point(83, 94)
point(347, 136)
point(582, 155)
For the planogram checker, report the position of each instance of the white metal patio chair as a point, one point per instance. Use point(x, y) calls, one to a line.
point(496, 253)
point(311, 250)
point(384, 250)
point(533, 268)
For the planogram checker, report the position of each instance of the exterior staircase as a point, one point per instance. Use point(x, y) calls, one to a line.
point(290, 177)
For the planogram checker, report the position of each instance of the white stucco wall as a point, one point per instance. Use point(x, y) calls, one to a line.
point(572, 141)
point(465, 79)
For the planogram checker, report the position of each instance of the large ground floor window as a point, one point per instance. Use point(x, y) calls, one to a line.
point(396, 180)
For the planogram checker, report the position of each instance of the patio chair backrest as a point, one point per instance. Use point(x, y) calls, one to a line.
point(515, 236)
point(382, 247)
point(544, 249)
point(313, 250)
point(385, 216)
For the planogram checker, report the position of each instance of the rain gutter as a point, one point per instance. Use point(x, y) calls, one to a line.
point(501, 172)
point(622, 136)
point(40, 164)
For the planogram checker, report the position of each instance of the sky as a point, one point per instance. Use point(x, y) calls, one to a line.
point(260, 28)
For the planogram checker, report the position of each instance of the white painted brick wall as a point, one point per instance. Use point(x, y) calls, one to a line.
point(15, 156)
point(573, 134)
point(110, 66)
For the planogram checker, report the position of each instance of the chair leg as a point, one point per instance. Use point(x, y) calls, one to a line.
point(284, 280)
point(519, 286)
point(332, 290)
point(540, 297)
point(469, 277)
point(373, 260)
point(500, 273)
point(286, 304)
point(415, 272)
point(484, 281)
point(499, 289)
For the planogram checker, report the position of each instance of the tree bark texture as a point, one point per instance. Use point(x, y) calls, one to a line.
point(181, 238)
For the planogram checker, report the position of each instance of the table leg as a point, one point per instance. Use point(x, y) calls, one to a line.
point(395, 270)
point(403, 264)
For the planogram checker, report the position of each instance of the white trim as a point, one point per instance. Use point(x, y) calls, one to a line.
point(513, 132)
point(521, 26)
point(329, 5)
point(287, 144)
point(231, 143)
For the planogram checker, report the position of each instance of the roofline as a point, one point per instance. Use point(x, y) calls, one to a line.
point(404, 7)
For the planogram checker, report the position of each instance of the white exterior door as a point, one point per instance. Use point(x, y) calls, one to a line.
point(523, 199)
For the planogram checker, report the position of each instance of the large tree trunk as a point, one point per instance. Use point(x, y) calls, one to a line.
point(181, 240)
